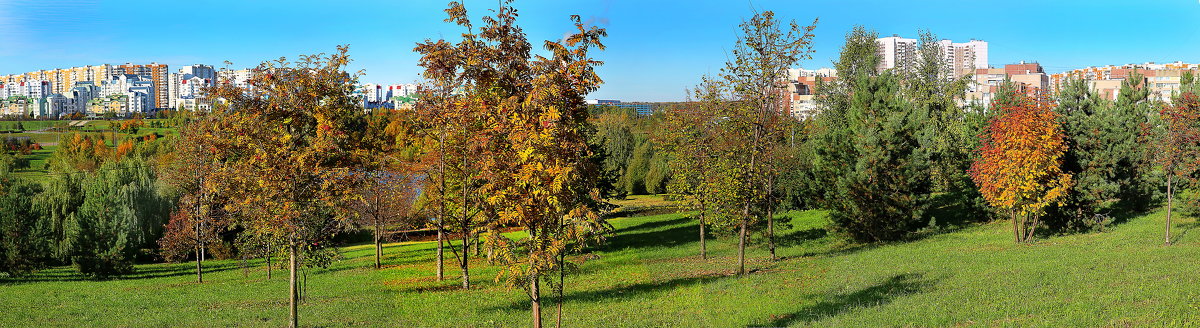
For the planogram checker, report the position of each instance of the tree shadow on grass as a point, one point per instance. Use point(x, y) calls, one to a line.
point(800, 237)
point(1184, 229)
point(656, 224)
point(67, 274)
point(637, 290)
point(661, 238)
point(883, 293)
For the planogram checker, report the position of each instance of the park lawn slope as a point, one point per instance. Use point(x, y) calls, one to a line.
point(649, 274)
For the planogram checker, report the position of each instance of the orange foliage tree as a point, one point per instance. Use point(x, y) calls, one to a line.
point(1179, 146)
point(284, 149)
point(1019, 169)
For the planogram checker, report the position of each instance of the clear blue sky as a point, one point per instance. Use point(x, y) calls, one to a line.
point(656, 48)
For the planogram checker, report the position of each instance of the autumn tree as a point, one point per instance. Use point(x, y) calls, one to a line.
point(384, 200)
point(1178, 146)
point(542, 177)
point(756, 76)
point(192, 228)
point(460, 120)
point(285, 146)
point(199, 217)
point(688, 136)
point(1019, 169)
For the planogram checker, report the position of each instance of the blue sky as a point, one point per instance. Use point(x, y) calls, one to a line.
point(656, 48)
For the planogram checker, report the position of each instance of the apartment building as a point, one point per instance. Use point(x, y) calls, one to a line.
point(897, 53)
point(801, 90)
point(1162, 79)
point(1029, 76)
point(958, 59)
point(185, 92)
point(962, 59)
point(159, 76)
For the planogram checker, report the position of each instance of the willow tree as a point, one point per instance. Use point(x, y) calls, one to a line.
point(756, 76)
point(286, 145)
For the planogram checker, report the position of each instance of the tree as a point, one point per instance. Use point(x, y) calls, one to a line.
point(867, 149)
point(688, 137)
point(23, 247)
point(199, 217)
point(191, 229)
point(1105, 156)
point(122, 212)
point(948, 132)
point(469, 84)
point(1178, 147)
point(1019, 169)
point(755, 76)
point(284, 147)
point(384, 201)
point(616, 139)
point(544, 177)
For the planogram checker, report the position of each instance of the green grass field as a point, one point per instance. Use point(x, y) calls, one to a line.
point(649, 275)
point(49, 140)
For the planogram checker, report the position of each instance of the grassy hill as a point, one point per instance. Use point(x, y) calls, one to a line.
point(649, 275)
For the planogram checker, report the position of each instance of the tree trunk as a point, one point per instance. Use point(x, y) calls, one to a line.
point(1170, 203)
point(440, 258)
point(535, 297)
point(199, 269)
point(378, 243)
point(703, 248)
point(1016, 230)
point(466, 273)
point(771, 232)
point(268, 262)
point(742, 249)
point(295, 315)
point(771, 217)
point(562, 278)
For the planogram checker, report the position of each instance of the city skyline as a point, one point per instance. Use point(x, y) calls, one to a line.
point(689, 42)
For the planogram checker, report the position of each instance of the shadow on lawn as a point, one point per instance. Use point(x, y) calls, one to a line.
point(656, 224)
point(63, 274)
point(800, 237)
point(1184, 229)
point(615, 293)
point(660, 238)
point(895, 287)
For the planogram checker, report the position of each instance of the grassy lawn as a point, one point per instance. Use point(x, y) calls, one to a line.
point(649, 275)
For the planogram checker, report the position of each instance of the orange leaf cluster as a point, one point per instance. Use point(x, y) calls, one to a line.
point(1020, 163)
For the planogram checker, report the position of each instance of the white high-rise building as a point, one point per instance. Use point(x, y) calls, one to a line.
point(187, 85)
point(239, 78)
point(203, 71)
point(896, 52)
point(961, 59)
point(958, 59)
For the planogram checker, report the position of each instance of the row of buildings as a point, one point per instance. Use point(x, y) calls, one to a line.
point(970, 59)
point(123, 90)
point(895, 53)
